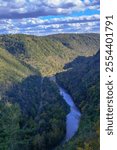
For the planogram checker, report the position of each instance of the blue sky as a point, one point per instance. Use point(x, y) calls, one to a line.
point(43, 17)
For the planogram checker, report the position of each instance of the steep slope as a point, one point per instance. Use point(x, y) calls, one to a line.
point(82, 82)
point(85, 44)
point(80, 74)
point(32, 112)
point(32, 116)
point(49, 54)
point(11, 70)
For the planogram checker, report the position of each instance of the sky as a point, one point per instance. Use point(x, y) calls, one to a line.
point(44, 17)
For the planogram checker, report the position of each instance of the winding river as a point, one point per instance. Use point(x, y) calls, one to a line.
point(73, 117)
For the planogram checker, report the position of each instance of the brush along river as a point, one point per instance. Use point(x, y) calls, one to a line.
point(73, 117)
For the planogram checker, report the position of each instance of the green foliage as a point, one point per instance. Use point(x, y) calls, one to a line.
point(43, 113)
point(85, 44)
point(83, 84)
point(49, 54)
point(11, 70)
point(32, 112)
point(9, 125)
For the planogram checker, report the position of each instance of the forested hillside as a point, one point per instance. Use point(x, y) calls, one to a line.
point(32, 112)
point(11, 70)
point(49, 54)
point(82, 81)
point(32, 116)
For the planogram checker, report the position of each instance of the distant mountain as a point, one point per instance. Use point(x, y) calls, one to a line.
point(49, 54)
point(85, 44)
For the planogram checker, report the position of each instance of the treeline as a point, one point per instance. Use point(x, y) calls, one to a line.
point(82, 80)
point(32, 116)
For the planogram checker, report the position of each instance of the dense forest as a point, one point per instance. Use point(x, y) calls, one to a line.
point(32, 112)
point(32, 115)
point(82, 80)
point(49, 54)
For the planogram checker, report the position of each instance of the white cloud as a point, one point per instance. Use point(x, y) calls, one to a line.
point(27, 16)
point(35, 8)
point(87, 2)
point(49, 26)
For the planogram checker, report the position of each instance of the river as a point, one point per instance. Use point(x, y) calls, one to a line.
point(73, 117)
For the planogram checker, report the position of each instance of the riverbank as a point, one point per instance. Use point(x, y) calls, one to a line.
point(73, 117)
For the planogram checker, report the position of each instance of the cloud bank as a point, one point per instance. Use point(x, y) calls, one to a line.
point(43, 17)
point(17, 9)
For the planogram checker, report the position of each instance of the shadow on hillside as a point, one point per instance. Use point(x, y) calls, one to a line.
point(26, 94)
point(80, 60)
point(80, 75)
